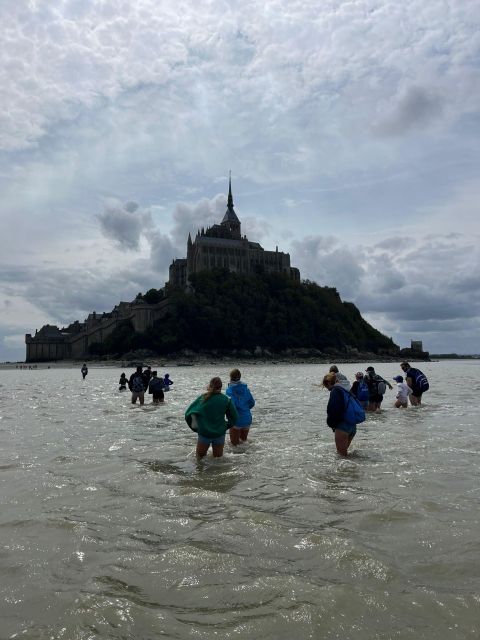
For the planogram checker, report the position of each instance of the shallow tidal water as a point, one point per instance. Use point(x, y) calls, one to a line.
point(110, 528)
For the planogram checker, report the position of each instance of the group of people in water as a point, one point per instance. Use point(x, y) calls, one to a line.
point(347, 403)
point(143, 380)
point(213, 413)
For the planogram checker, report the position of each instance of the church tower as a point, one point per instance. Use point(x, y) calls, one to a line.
point(230, 219)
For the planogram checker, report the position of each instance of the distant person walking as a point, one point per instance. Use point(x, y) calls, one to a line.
point(123, 382)
point(243, 401)
point(344, 412)
point(84, 371)
point(136, 386)
point(167, 383)
point(206, 415)
point(376, 389)
point(403, 391)
point(417, 381)
point(155, 387)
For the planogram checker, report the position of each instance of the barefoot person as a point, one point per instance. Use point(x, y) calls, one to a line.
point(403, 391)
point(243, 401)
point(376, 388)
point(206, 415)
point(155, 387)
point(136, 386)
point(344, 412)
point(417, 381)
point(123, 383)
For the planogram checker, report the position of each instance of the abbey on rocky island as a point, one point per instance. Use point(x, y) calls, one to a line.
point(221, 245)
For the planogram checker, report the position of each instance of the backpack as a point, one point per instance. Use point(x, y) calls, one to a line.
point(155, 385)
point(421, 382)
point(376, 385)
point(381, 387)
point(137, 384)
point(354, 412)
point(362, 392)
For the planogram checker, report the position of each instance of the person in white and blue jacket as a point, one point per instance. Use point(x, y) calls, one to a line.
point(243, 401)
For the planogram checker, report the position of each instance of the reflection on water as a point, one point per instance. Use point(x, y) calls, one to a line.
point(111, 528)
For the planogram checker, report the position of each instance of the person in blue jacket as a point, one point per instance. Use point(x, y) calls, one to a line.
point(336, 407)
point(243, 402)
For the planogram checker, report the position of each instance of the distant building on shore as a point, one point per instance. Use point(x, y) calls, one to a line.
point(221, 245)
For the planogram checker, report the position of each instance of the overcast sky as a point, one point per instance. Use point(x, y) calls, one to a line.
point(351, 129)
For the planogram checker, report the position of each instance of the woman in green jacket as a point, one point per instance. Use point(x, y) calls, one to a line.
point(206, 415)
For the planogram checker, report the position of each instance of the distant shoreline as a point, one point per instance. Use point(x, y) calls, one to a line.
point(203, 360)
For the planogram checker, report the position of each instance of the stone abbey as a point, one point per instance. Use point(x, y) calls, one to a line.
point(221, 245)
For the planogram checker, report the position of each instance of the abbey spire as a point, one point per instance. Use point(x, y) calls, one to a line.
point(230, 219)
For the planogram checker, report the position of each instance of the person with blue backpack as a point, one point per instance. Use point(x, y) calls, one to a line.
point(417, 381)
point(344, 412)
point(137, 386)
point(360, 389)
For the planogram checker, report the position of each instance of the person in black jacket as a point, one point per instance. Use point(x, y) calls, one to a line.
point(155, 387)
point(344, 433)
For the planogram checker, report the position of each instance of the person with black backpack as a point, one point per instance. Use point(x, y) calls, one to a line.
point(376, 388)
point(417, 381)
point(136, 386)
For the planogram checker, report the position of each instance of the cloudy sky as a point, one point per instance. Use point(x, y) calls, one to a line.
point(351, 129)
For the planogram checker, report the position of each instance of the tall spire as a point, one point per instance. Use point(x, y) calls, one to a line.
point(230, 197)
point(230, 219)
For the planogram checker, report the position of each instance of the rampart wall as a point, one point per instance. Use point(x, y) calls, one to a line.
point(75, 346)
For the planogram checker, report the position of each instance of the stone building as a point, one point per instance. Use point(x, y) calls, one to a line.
point(223, 245)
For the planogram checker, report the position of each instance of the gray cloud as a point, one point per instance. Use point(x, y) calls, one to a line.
point(417, 107)
point(424, 285)
point(125, 223)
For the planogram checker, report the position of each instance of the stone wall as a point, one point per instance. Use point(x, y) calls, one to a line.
point(41, 348)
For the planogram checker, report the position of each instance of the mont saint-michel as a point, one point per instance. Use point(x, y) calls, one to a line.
point(228, 293)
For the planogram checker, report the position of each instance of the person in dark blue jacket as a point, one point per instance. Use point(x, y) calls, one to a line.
point(243, 401)
point(344, 432)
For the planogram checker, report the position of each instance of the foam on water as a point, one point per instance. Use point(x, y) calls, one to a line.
point(112, 529)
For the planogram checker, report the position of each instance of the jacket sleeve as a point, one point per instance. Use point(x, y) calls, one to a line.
point(386, 382)
point(251, 400)
point(335, 408)
point(189, 411)
point(231, 414)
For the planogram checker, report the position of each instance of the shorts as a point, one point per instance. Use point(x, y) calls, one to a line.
point(241, 426)
point(212, 441)
point(350, 429)
point(417, 394)
point(138, 394)
point(158, 396)
point(376, 398)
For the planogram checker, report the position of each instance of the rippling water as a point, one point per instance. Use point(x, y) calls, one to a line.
point(110, 528)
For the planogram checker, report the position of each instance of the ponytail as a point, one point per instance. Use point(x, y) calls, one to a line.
point(214, 386)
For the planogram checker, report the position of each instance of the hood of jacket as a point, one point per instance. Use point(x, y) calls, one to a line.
point(343, 381)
